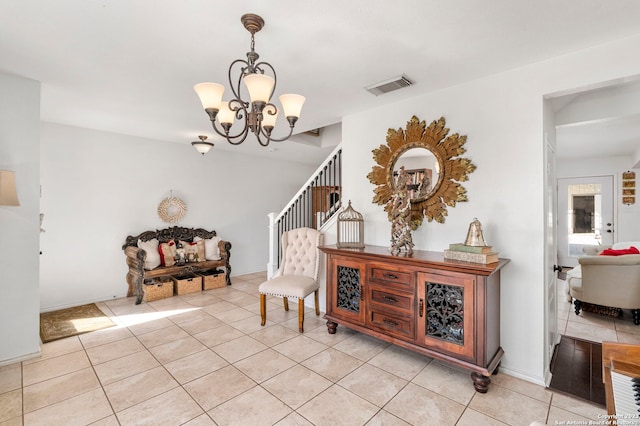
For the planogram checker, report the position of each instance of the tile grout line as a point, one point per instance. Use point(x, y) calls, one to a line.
point(549, 404)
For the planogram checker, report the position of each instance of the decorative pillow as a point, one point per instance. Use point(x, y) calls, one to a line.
point(619, 252)
point(167, 253)
point(211, 249)
point(196, 247)
point(153, 257)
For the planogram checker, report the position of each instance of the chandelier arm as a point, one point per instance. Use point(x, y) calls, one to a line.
point(235, 88)
point(280, 139)
point(239, 108)
point(218, 131)
point(231, 139)
point(258, 67)
point(268, 111)
point(258, 134)
point(259, 129)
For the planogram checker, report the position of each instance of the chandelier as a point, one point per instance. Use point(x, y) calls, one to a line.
point(259, 114)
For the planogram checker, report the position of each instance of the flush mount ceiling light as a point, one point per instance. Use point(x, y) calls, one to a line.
point(259, 114)
point(202, 146)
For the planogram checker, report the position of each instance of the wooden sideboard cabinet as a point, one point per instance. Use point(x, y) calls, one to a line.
point(446, 309)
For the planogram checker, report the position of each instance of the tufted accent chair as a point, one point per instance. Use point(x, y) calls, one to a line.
point(297, 276)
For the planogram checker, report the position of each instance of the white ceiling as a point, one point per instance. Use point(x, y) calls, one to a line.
point(599, 122)
point(129, 66)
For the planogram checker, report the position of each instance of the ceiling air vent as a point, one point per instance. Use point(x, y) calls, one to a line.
point(389, 85)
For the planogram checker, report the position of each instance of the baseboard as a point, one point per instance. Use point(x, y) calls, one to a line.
point(526, 377)
point(21, 358)
point(81, 302)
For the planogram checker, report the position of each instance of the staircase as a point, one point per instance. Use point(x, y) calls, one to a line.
point(314, 205)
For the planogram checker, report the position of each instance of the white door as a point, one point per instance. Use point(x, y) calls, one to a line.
point(552, 337)
point(585, 216)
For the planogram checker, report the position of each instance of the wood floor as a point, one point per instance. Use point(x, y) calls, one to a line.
point(577, 369)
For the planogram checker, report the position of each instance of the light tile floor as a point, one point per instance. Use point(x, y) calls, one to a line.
point(594, 327)
point(204, 359)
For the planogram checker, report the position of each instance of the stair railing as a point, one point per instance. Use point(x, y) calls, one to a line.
point(312, 206)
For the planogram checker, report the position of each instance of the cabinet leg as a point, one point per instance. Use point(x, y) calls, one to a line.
point(331, 327)
point(480, 382)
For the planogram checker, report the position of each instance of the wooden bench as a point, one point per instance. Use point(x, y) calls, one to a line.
point(137, 274)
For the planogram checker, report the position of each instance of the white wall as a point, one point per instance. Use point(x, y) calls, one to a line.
point(502, 115)
point(19, 142)
point(99, 187)
point(627, 226)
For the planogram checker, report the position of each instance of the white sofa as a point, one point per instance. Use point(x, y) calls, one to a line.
point(612, 281)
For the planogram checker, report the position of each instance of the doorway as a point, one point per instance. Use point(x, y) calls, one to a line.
point(585, 216)
point(592, 132)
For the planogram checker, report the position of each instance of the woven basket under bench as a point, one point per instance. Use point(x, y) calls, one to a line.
point(213, 279)
point(187, 283)
point(157, 288)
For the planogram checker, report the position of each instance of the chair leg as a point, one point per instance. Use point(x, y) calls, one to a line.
point(578, 305)
point(286, 303)
point(315, 296)
point(263, 308)
point(300, 315)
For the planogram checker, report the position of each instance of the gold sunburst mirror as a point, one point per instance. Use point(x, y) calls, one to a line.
point(432, 159)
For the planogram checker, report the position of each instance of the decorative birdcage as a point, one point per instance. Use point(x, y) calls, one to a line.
point(350, 228)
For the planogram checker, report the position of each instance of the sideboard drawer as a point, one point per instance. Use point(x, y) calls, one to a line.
point(387, 275)
point(392, 299)
point(396, 325)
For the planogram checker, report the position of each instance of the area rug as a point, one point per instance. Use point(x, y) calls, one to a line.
point(72, 321)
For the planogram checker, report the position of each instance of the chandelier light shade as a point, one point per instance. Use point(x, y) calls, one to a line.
point(202, 146)
point(260, 87)
point(210, 94)
point(8, 194)
point(258, 114)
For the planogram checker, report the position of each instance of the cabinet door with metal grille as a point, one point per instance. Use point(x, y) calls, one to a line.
point(345, 290)
point(446, 311)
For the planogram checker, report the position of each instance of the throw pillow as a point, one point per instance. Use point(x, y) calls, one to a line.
point(196, 247)
point(150, 247)
point(620, 252)
point(211, 249)
point(167, 253)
